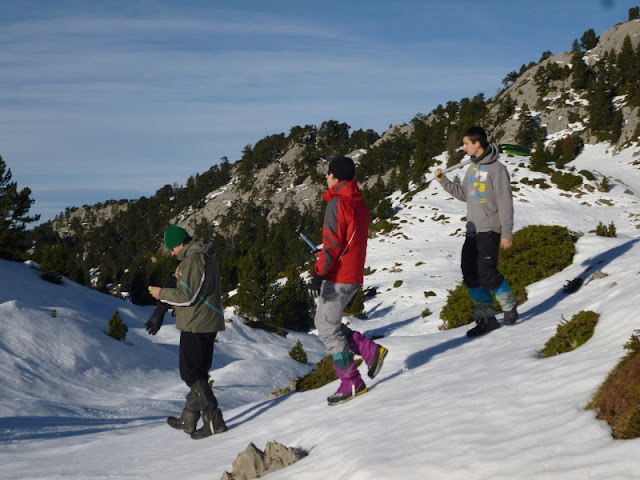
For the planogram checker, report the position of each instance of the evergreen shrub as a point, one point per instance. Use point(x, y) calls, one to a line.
point(605, 231)
point(539, 182)
point(52, 277)
point(588, 175)
point(298, 353)
point(566, 181)
point(117, 329)
point(571, 334)
point(538, 251)
point(618, 398)
point(633, 345)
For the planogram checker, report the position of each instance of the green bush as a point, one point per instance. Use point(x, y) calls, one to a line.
point(571, 334)
point(604, 231)
point(54, 313)
point(539, 182)
point(298, 353)
point(458, 310)
point(633, 345)
point(322, 374)
point(397, 283)
point(52, 277)
point(588, 175)
point(566, 181)
point(618, 398)
point(117, 329)
point(538, 251)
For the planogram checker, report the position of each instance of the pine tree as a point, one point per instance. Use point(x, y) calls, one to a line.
point(292, 308)
point(14, 207)
point(117, 329)
point(588, 40)
point(530, 133)
point(579, 71)
point(626, 64)
point(255, 282)
point(298, 353)
point(540, 159)
point(600, 109)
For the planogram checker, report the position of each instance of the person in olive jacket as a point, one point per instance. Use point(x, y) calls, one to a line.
point(197, 302)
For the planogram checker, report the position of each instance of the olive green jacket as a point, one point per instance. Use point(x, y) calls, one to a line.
point(196, 298)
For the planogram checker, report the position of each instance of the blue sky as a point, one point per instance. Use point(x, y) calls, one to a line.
point(114, 99)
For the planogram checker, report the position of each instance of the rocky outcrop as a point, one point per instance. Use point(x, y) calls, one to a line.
point(254, 463)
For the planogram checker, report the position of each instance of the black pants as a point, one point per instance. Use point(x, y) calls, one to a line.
point(480, 261)
point(196, 356)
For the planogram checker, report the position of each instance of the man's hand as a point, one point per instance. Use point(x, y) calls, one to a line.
point(155, 292)
point(314, 286)
point(438, 174)
point(505, 243)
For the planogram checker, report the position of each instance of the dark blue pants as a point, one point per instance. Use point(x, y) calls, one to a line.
point(480, 261)
point(196, 356)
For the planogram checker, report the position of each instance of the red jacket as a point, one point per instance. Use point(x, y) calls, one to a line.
point(344, 234)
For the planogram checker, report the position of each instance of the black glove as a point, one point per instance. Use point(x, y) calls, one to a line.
point(155, 321)
point(314, 286)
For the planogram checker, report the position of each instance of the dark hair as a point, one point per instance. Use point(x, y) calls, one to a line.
point(476, 134)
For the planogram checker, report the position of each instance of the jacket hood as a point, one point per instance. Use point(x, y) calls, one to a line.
point(346, 188)
point(490, 155)
point(197, 247)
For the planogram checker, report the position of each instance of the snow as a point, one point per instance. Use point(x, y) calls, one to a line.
point(76, 404)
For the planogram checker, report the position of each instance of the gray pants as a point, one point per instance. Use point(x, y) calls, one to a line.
point(332, 301)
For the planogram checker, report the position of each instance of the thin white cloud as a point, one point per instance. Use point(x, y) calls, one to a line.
point(169, 93)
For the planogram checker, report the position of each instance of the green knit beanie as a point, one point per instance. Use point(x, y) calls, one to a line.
point(174, 236)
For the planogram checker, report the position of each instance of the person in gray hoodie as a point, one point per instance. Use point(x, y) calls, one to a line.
point(197, 302)
point(486, 189)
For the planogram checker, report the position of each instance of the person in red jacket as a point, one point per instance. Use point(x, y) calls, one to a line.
point(338, 274)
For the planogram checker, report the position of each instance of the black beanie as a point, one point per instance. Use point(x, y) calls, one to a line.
point(342, 168)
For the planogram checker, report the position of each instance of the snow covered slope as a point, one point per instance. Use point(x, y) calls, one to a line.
point(76, 404)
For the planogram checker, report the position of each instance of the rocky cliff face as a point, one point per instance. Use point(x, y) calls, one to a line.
point(562, 105)
point(561, 110)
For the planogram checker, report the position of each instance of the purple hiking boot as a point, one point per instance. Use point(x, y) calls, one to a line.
point(372, 353)
point(351, 384)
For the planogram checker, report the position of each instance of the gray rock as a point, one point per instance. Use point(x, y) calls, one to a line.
point(254, 463)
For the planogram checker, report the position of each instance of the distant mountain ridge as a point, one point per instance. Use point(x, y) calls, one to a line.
point(285, 173)
point(555, 116)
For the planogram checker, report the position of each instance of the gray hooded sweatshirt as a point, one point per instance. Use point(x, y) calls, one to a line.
point(486, 188)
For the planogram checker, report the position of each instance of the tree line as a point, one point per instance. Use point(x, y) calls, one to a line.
point(255, 255)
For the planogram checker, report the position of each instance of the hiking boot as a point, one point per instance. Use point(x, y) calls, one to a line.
point(187, 421)
point(338, 397)
point(483, 326)
point(378, 360)
point(511, 316)
point(213, 423)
